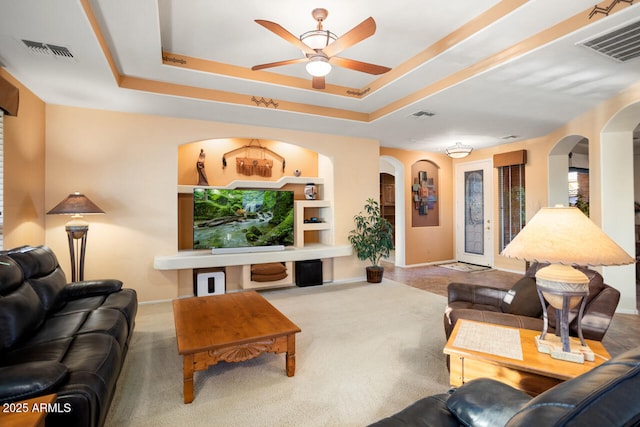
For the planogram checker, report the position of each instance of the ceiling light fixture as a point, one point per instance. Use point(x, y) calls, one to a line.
point(318, 39)
point(458, 150)
point(318, 66)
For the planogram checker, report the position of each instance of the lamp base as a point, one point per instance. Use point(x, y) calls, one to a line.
point(552, 345)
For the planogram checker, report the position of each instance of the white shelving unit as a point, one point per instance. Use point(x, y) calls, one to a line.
point(300, 211)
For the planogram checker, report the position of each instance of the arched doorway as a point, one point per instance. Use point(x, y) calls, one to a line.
point(616, 154)
point(559, 164)
point(394, 167)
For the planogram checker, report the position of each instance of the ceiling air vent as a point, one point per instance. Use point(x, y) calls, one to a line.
point(422, 113)
point(621, 45)
point(46, 49)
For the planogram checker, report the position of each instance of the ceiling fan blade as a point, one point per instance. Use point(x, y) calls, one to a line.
point(280, 31)
point(318, 83)
point(365, 67)
point(279, 63)
point(365, 29)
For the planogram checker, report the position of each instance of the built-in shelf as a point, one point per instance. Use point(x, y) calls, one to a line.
point(300, 212)
point(257, 184)
point(205, 259)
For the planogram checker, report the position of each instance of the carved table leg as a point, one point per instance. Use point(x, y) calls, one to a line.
point(187, 374)
point(291, 355)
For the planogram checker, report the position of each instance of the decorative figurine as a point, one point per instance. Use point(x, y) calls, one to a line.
point(202, 175)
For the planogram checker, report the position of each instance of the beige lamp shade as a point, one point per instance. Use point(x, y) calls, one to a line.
point(564, 235)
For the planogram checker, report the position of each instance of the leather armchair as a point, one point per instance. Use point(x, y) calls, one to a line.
point(520, 306)
point(604, 396)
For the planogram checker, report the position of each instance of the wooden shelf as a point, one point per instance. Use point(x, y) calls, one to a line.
point(302, 180)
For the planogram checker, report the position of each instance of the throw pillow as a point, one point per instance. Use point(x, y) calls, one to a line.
point(522, 299)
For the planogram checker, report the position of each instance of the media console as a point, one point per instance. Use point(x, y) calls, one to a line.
point(204, 259)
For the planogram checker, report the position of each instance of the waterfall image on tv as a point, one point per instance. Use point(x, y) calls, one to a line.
point(241, 218)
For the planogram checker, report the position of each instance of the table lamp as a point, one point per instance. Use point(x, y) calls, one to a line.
point(76, 205)
point(564, 237)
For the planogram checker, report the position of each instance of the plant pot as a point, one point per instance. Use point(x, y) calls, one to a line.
point(374, 274)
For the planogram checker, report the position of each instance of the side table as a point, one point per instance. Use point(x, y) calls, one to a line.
point(534, 373)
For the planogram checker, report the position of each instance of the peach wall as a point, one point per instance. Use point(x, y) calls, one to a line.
point(24, 180)
point(425, 245)
point(127, 164)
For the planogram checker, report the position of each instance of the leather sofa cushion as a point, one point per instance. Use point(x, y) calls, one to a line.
point(26, 380)
point(486, 403)
point(51, 351)
point(42, 271)
point(20, 314)
point(126, 301)
point(427, 412)
point(523, 299)
point(604, 396)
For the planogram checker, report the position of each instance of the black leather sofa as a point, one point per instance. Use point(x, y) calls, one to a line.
point(57, 337)
point(608, 395)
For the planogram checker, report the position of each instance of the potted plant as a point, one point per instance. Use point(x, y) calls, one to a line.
point(372, 239)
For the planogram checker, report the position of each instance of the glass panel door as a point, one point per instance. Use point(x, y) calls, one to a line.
point(474, 203)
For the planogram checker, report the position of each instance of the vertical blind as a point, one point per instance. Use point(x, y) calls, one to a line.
point(512, 202)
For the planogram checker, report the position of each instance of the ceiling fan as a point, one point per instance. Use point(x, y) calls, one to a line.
point(321, 47)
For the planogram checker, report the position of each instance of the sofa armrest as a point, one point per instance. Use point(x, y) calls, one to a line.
point(485, 402)
point(27, 380)
point(427, 412)
point(91, 288)
point(476, 294)
point(598, 314)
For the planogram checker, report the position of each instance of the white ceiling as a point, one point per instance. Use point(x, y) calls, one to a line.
point(527, 96)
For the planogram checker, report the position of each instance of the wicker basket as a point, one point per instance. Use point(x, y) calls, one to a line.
point(374, 274)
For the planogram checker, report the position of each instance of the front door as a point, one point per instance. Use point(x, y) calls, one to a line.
point(474, 213)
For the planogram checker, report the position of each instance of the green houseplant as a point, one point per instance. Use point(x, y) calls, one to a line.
point(372, 239)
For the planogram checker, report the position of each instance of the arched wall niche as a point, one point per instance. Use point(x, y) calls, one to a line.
point(311, 164)
point(295, 158)
point(425, 189)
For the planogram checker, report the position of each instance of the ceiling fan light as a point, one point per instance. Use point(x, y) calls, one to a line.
point(318, 66)
point(318, 39)
point(458, 150)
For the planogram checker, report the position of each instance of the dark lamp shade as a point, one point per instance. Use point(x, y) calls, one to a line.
point(75, 204)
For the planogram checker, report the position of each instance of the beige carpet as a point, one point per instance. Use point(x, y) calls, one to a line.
point(365, 352)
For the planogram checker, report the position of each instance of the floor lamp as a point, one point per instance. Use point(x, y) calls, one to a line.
point(76, 205)
point(564, 237)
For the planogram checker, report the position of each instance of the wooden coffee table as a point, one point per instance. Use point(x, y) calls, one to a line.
point(534, 374)
point(232, 328)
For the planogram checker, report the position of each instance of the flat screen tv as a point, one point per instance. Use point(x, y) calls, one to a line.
point(242, 218)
